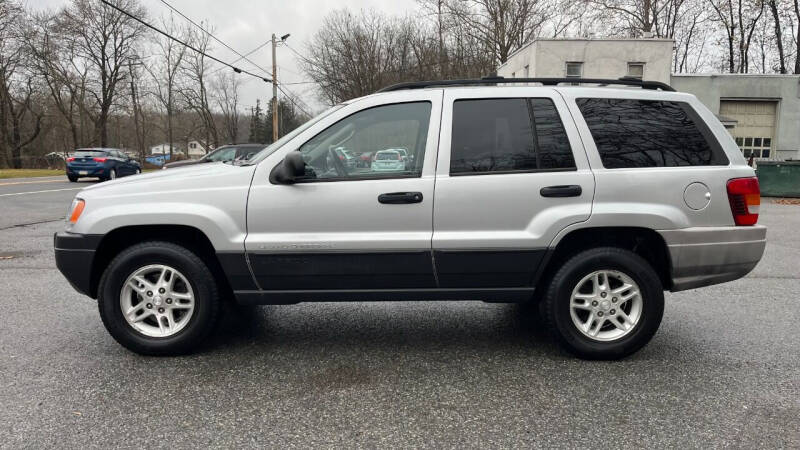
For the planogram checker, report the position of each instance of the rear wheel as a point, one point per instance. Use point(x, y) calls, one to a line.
point(158, 298)
point(604, 303)
point(112, 174)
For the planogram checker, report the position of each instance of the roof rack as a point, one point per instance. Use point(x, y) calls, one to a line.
point(624, 81)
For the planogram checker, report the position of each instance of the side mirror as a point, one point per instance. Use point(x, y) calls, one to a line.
point(291, 168)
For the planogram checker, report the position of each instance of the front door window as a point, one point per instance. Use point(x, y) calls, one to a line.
point(381, 142)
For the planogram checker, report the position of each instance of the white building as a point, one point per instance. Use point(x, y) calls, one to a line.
point(163, 149)
point(196, 149)
point(762, 112)
point(591, 58)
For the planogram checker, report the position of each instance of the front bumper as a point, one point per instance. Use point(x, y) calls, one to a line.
point(702, 256)
point(74, 258)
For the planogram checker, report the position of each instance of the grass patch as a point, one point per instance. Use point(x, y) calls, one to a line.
point(26, 173)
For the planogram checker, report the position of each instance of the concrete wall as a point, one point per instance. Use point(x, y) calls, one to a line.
point(606, 58)
point(785, 89)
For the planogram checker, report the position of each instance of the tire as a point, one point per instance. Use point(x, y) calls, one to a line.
point(72, 178)
point(615, 266)
point(198, 281)
point(112, 174)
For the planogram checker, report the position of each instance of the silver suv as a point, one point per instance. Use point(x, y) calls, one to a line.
point(591, 201)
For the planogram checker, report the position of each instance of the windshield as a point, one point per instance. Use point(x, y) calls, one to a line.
point(280, 142)
point(222, 154)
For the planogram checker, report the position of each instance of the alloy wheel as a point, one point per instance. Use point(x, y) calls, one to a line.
point(157, 301)
point(606, 305)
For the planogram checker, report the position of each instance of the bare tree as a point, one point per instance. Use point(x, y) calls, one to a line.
point(17, 89)
point(227, 88)
point(55, 60)
point(139, 127)
point(738, 19)
point(196, 85)
point(504, 25)
point(165, 73)
point(105, 39)
point(776, 20)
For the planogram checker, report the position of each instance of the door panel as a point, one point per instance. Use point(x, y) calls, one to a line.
point(333, 232)
point(492, 229)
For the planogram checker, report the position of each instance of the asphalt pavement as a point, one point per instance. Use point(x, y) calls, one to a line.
point(723, 371)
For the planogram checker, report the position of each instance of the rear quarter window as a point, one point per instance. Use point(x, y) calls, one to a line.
point(649, 133)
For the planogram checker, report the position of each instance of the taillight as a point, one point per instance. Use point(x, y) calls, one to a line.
point(70, 159)
point(745, 198)
point(100, 159)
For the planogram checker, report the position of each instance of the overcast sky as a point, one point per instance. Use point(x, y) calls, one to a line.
point(246, 24)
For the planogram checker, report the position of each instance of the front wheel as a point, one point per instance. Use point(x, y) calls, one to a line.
point(604, 303)
point(158, 298)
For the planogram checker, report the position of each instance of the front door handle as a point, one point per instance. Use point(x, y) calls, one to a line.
point(396, 198)
point(571, 190)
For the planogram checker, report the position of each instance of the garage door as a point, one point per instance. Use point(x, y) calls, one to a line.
point(755, 128)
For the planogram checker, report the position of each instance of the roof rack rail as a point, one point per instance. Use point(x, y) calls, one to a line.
point(624, 81)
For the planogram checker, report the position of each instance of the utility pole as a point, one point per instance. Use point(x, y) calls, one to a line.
point(274, 91)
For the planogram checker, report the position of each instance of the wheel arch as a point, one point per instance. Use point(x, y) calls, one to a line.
point(645, 242)
point(186, 236)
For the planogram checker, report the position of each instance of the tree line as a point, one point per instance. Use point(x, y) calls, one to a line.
point(88, 75)
point(354, 54)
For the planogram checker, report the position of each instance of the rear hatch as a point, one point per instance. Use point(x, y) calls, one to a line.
point(87, 159)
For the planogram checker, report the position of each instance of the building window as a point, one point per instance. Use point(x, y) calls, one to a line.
point(636, 70)
point(192, 145)
point(574, 69)
point(757, 147)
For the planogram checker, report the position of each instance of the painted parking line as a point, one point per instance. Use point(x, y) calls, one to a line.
point(41, 192)
point(59, 180)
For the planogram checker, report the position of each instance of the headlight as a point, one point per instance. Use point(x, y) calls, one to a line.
point(75, 210)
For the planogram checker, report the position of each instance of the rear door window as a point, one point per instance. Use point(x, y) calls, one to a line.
point(648, 133)
point(508, 135)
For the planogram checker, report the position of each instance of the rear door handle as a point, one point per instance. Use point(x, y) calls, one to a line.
point(571, 190)
point(396, 198)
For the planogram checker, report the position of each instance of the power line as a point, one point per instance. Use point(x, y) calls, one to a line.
point(303, 58)
point(214, 37)
point(235, 69)
point(246, 54)
point(293, 102)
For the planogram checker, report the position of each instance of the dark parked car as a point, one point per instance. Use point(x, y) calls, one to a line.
point(103, 163)
point(240, 152)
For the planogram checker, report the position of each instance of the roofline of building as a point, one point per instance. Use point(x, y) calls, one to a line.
point(584, 40)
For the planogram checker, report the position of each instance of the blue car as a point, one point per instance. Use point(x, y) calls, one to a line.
point(103, 163)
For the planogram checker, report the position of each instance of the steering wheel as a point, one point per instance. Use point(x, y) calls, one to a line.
point(341, 170)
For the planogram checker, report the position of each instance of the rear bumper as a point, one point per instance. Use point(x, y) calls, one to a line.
point(90, 171)
point(74, 258)
point(703, 256)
